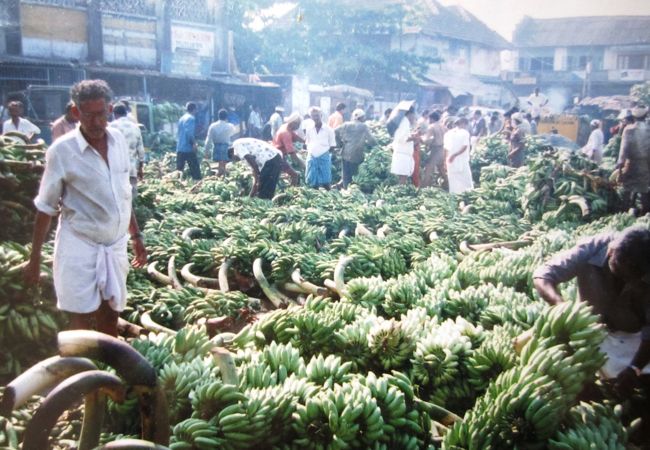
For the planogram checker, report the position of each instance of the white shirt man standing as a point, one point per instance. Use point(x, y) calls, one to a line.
point(594, 148)
point(537, 101)
point(17, 123)
point(86, 181)
point(319, 140)
point(456, 143)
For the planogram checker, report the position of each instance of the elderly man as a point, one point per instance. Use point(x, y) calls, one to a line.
point(634, 161)
point(285, 138)
point(613, 275)
point(86, 181)
point(131, 132)
point(17, 123)
point(63, 124)
point(320, 140)
point(264, 160)
point(353, 138)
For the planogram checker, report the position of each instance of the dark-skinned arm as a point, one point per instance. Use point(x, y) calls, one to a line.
point(250, 159)
point(548, 291)
point(139, 249)
point(32, 271)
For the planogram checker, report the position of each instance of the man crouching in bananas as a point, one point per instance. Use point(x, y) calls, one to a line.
point(612, 271)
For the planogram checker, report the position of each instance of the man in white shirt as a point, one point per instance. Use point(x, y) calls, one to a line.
point(264, 160)
point(255, 122)
point(594, 148)
point(86, 180)
point(456, 143)
point(133, 137)
point(17, 123)
point(319, 140)
point(537, 101)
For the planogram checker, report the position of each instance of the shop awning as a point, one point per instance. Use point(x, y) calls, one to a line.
point(460, 85)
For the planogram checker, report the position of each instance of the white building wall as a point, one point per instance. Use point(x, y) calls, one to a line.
point(484, 61)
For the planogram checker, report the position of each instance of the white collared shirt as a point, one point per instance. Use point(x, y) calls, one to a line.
point(94, 199)
point(319, 142)
point(24, 126)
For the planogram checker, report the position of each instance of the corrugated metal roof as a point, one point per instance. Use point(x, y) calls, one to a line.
point(582, 31)
point(456, 22)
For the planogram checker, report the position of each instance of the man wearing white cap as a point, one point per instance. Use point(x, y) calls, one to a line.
point(353, 138)
point(594, 148)
point(634, 161)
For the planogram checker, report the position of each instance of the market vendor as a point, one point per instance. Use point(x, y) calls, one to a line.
point(86, 182)
point(634, 162)
point(613, 275)
point(265, 161)
point(285, 138)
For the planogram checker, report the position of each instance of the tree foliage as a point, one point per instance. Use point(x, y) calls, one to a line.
point(331, 42)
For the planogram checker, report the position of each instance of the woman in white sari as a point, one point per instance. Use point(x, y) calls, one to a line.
point(457, 143)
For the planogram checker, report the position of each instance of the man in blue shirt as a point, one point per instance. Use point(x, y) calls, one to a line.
point(186, 143)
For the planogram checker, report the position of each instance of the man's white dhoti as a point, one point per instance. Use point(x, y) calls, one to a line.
point(85, 273)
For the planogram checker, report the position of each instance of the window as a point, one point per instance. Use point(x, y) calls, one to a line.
point(541, 64)
point(633, 61)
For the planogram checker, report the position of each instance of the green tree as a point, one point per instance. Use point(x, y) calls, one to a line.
point(332, 42)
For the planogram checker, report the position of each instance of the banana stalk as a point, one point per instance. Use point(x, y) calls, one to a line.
point(295, 288)
point(339, 271)
point(40, 378)
point(154, 413)
point(171, 273)
point(223, 275)
point(152, 270)
point(309, 287)
point(94, 407)
point(277, 298)
point(361, 230)
point(188, 232)
point(126, 360)
point(513, 245)
point(437, 413)
point(344, 232)
point(149, 324)
point(63, 397)
point(195, 280)
point(132, 444)
point(226, 364)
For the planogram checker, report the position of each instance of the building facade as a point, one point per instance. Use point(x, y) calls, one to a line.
point(468, 54)
point(573, 58)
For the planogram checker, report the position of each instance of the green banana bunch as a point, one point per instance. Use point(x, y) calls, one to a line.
point(327, 371)
point(367, 292)
point(178, 380)
point(389, 344)
point(210, 397)
point(590, 425)
point(193, 434)
point(216, 304)
point(191, 343)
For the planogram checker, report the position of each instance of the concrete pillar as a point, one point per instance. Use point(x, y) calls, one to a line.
point(94, 29)
point(12, 33)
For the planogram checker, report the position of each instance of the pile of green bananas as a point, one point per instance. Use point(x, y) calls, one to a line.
point(21, 166)
point(28, 319)
point(525, 405)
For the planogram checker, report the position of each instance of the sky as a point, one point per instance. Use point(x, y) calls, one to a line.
point(503, 15)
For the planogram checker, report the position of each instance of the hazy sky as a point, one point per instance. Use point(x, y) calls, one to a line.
point(503, 15)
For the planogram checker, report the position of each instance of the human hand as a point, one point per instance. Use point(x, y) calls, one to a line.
point(32, 273)
point(450, 159)
point(140, 251)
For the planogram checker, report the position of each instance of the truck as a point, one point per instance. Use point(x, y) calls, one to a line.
point(44, 104)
